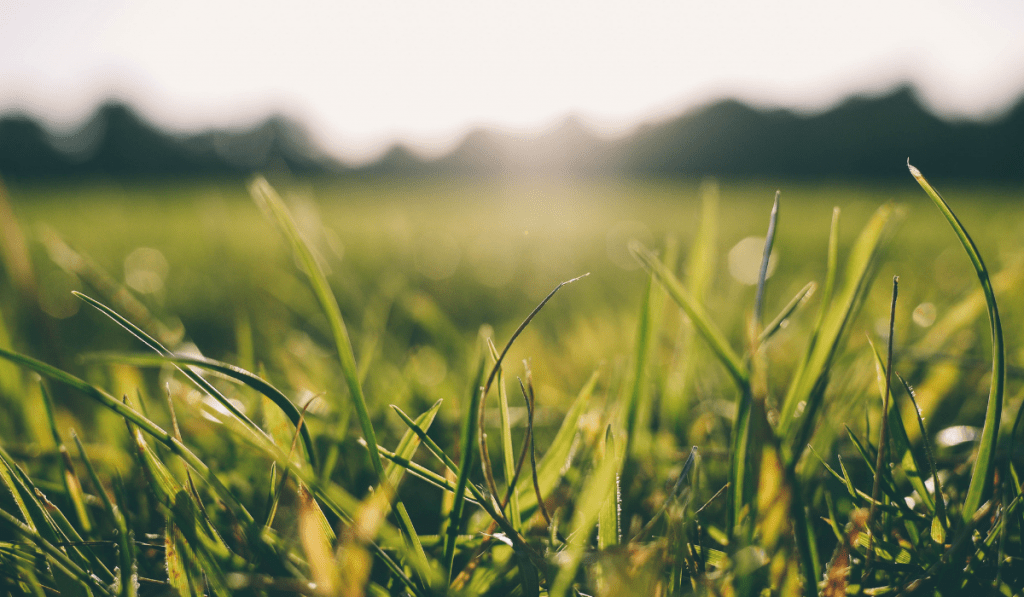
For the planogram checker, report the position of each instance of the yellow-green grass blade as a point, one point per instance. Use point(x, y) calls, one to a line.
point(507, 451)
point(639, 394)
point(898, 435)
point(406, 449)
point(698, 316)
point(468, 436)
point(795, 303)
point(272, 205)
point(237, 373)
point(700, 270)
point(984, 464)
point(72, 484)
point(552, 465)
point(762, 274)
point(598, 487)
point(609, 530)
point(808, 387)
point(126, 546)
point(159, 348)
point(425, 474)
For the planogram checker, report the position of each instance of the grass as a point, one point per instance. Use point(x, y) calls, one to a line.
point(649, 429)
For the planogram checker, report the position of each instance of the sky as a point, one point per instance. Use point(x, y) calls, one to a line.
point(363, 75)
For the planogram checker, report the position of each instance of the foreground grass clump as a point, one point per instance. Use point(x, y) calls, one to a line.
point(759, 445)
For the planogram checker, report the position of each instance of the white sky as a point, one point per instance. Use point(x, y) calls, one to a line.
point(363, 74)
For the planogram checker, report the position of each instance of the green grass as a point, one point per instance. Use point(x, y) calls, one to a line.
point(312, 399)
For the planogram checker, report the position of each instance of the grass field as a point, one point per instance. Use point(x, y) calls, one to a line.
point(350, 298)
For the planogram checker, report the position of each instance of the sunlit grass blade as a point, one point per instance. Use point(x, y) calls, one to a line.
point(507, 451)
point(638, 390)
point(808, 386)
point(272, 205)
point(609, 529)
point(159, 348)
point(769, 242)
point(557, 457)
point(898, 435)
point(237, 373)
point(984, 464)
point(700, 271)
point(780, 320)
point(698, 316)
point(468, 435)
point(599, 487)
point(72, 484)
point(405, 450)
point(126, 546)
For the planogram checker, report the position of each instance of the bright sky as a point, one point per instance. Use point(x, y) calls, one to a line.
point(363, 74)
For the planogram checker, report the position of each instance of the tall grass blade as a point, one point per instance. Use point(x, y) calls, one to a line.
point(984, 465)
point(898, 434)
point(270, 202)
point(698, 316)
point(599, 487)
point(807, 389)
point(72, 484)
point(507, 451)
point(126, 546)
point(769, 242)
point(468, 434)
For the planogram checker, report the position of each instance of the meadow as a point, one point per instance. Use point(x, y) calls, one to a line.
point(190, 380)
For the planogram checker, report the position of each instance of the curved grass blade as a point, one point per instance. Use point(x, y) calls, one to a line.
point(984, 465)
point(270, 202)
point(152, 343)
point(237, 373)
point(701, 321)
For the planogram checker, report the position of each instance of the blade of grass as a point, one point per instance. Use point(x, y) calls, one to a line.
point(126, 549)
point(270, 202)
point(485, 457)
point(898, 434)
point(787, 312)
point(507, 451)
point(983, 471)
point(808, 386)
point(883, 440)
point(72, 484)
point(769, 241)
point(153, 344)
point(468, 435)
point(698, 316)
point(237, 373)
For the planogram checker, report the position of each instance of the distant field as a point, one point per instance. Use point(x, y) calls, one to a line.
point(419, 268)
